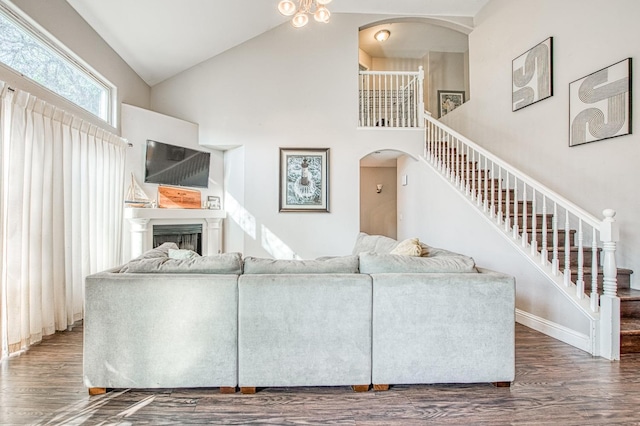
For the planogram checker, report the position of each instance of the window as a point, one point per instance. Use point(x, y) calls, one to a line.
point(27, 51)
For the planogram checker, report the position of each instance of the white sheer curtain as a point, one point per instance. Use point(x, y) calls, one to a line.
point(62, 191)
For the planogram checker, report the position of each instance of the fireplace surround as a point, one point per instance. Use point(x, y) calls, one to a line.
point(144, 222)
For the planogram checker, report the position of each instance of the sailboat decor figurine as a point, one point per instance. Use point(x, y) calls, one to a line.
point(136, 197)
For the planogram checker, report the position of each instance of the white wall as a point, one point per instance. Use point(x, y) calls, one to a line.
point(63, 22)
point(588, 35)
point(433, 211)
point(286, 88)
point(447, 71)
point(378, 211)
point(138, 125)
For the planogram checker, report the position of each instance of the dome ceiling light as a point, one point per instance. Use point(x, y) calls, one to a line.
point(382, 35)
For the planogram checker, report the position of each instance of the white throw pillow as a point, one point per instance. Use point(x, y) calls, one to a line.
point(408, 247)
point(182, 254)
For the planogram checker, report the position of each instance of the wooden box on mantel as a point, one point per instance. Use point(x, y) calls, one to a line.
point(178, 198)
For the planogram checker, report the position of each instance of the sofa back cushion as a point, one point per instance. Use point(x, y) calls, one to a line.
point(226, 263)
point(332, 265)
point(375, 263)
point(373, 243)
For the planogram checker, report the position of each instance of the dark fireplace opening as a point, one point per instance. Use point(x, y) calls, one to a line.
point(188, 237)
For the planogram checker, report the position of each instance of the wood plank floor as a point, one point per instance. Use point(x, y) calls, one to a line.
point(555, 384)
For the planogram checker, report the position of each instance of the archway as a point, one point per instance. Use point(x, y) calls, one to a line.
point(379, 184)
point(440, 47)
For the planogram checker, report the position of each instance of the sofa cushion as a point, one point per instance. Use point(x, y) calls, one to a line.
point(375, 263)
point(373, 243)
point(331, 265)
point(226, 263)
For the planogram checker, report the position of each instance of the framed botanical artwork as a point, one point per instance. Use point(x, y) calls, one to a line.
point(449, 100)
point(304, 179)
point(532, 75)
point(600, 104)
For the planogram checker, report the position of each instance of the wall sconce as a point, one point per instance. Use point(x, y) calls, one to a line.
point(379, 188)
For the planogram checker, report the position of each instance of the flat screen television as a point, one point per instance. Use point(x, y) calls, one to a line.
point(176, 165)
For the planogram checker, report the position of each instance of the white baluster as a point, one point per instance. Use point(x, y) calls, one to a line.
point(373, 100)
point(525, 215)
point(516, 230)
point(499, 190)
point(456, 165)
point(403, 102)
point(594, 273)
point(449, 158)
point(485, 174)
point(544, 252)
point(555, 262)
point(467, 183)
point(507, 217)
point(473, 174)
point(440, 150)
point(580, 277)
point(492, 211)
point(534, 223)
point(360, 106)
point(478, 170)
point(567, 250)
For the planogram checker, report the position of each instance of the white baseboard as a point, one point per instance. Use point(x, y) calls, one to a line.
point(557, 331)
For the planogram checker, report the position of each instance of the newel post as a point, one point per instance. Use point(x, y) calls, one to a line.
point(609, 303)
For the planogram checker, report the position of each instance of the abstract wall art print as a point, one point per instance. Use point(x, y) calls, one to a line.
point(532, 75)
point(304, 179)
point(600, 104)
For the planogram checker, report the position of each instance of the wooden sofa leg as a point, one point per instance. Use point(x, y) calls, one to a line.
point(227, 389)
point(502, 384)
point(380, 387)
point(97, 391)
point(360, 388)
point(248, 390)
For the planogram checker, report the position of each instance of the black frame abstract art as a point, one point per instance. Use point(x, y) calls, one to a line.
point(532, 75)
point(304, 179)
point(600, 104)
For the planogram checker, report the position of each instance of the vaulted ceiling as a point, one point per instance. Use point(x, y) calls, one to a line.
point(161, 38)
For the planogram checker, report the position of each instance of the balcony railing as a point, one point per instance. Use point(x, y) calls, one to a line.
point(391, 99)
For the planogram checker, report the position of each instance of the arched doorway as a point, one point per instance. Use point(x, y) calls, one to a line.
point(440, 47)
point(378, 193)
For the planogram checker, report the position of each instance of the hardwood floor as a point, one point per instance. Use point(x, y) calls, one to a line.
point(555, 384)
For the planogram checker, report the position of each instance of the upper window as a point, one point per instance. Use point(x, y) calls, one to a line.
point(27, 52)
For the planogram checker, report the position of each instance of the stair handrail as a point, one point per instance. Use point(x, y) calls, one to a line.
point(605, 333)
point(587, 217)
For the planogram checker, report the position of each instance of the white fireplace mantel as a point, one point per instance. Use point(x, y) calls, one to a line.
point(142, 220)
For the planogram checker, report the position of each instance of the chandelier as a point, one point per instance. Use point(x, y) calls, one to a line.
point(317, 8)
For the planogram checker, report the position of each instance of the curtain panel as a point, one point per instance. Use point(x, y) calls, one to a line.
point(62, 191)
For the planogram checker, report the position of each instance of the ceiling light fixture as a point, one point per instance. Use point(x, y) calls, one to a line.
point(317, 8)
point(382, 35)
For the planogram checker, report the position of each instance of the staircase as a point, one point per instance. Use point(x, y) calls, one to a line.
point(567, 242)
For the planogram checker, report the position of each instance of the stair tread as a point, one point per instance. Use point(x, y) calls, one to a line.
point(630, 326)
point(587, 270)
point(629, 294)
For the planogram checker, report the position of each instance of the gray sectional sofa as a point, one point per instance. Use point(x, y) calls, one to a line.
point(371, 318)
